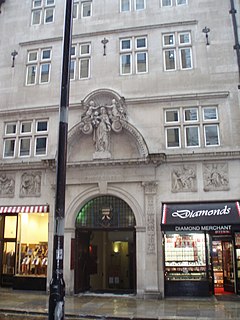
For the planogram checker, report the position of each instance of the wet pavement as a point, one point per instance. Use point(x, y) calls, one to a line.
point(23, 305)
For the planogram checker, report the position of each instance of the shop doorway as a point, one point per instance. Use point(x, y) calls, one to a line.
point(105, 247)
point(223, 265)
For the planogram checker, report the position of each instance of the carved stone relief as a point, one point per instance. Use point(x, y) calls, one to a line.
point(7, 185)
point(184, 179)
point(150, 200)
point(215, 176)
point(99, 120)
point(30, 184)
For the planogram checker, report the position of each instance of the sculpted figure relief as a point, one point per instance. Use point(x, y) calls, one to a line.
point(7, 185)
point(215, 176)
point(30, 184)
point(100, 120)
point(184, 179)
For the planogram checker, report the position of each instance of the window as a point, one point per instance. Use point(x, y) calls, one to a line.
point(192, 127)
point(86, 9)
point(42, 11)
point(25, 139)
point(170, 3)
point(82, 9)
point(131, 48)
point(38, 66)
point(128, 5)
point(177, 51)
point(125, 5)
point(80, 61)
point(166, 3)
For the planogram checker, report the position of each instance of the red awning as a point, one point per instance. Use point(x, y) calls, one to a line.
point(24, 209)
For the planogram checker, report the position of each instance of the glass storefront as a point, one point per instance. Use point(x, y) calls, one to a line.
point(32, 244)
point(23, 247)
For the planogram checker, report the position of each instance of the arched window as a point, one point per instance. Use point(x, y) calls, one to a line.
point(105, 212)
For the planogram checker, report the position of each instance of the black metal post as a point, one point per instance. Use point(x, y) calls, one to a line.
point(57, 284)
point(236, 47)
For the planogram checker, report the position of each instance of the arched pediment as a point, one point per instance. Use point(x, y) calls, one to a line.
point(104, 131)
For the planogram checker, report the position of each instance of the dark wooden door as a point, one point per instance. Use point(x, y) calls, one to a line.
point(82, 275)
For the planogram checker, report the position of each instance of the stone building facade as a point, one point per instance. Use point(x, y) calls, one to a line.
point(153, 120)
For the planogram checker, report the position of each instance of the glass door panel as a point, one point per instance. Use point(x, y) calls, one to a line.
point(10, 230)
point(228, 270)
point(9, 258)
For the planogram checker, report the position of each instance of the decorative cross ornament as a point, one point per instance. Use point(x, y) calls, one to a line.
point(206, 31)
point(104, 42)
point(14, 54)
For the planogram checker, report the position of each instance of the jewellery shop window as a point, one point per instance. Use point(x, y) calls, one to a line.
point(185, 257)
point(32, 245)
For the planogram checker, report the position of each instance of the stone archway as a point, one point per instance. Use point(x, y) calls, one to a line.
point(105, 247)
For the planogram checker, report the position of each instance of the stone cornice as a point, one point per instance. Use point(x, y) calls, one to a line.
point(179, 97)
point(152, 160)
point(22, 165)
point(111, 31)
point(140, 100)
point(204, 156)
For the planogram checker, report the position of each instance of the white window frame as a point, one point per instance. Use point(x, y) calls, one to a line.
point(181, 4)
point(83, 3)
point(205, 136)
point(35, 145)
point(38, 65)
point(19, 149)
point(172, 122)
point(133, 52)
point(210, 107)
point(179, 136)
point(42, 9)
point(190, 120)
point(200, 124)
point(136, 3)
point(4, 148)
point(177, 48)
point(198, 136)
point(166, 6)
point(122, 6)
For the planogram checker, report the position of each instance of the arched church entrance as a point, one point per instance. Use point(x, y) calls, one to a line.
point(105, 250)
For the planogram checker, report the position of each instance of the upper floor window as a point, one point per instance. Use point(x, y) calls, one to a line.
point(170, 3)
point(129, 5)
point(82, 9)
point(38, 66)
point(25, 138)
point(42, 11)
point(192, 127)
point(177, 51)
point(133, 55)
point(80, 61)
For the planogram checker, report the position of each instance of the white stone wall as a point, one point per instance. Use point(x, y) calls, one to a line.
point(212, 81)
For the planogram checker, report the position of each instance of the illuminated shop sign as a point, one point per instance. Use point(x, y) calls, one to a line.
point(217, 217)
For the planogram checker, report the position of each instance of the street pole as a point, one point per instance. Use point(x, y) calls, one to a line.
point(57, 284)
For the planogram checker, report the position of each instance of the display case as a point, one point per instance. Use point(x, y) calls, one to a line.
point(237, 244)
point(185, 265)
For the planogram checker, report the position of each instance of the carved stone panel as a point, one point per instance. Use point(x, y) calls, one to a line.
point(150, 200)
point(7, 185)
point(184, 178)
point(30, 184)
point(215, 176)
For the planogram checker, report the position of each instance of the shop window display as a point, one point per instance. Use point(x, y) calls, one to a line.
point(185, 257)
point(32, 245)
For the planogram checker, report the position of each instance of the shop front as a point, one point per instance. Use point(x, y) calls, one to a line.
point(24, 247)
point(201, 248)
